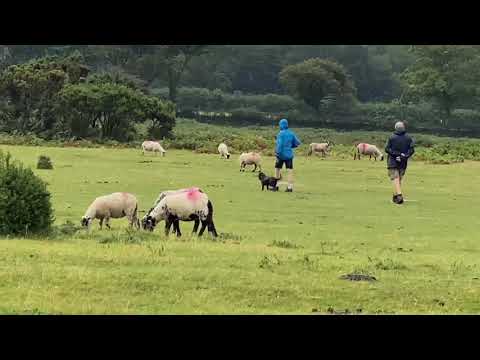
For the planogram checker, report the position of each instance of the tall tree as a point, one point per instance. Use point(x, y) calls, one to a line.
point(316, 81)
point(446, 74)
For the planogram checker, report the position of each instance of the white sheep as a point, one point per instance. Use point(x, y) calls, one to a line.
point(251, 158)
point(160, 197)
point(153, 146)
point(322, 148)
point(223, 151)
point(186, 205)
point(367, 149)
point(116, 206)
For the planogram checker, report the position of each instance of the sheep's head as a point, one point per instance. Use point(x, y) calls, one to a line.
point(86, 221)
point(381, 157)
point(148, 223)
point(228, 156)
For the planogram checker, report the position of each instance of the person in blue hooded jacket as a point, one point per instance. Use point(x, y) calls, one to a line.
point(285, 143)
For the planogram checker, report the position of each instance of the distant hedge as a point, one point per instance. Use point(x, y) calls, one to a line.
point(216, 107)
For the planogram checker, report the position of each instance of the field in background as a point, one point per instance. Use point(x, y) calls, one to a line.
point(278, 253)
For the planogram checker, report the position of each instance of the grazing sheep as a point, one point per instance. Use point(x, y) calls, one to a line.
point(116, 206)
point(251, 158)
point(319, 148)
point(160, 197)
point(188, 205)
point(153, 146)
point(223, 150)
point(367, 149)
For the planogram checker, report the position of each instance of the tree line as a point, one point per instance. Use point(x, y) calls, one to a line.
point(103, 91)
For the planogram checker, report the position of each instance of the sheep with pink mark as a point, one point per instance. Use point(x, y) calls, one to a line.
point(185, 205)
point(367, 149)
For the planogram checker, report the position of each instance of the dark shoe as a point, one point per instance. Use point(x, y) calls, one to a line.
point(394, 199)
point(400, 199)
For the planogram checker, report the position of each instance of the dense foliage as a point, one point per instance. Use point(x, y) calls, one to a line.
point(25, 206)
point(69, 90)
point(55, 97)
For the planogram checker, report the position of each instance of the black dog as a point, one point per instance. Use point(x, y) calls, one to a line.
point(269, 182)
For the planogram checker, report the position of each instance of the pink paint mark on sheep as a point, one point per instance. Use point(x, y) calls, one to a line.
point(364, 146)
point(193, 194)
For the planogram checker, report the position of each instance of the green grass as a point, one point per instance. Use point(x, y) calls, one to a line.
point(279, 253)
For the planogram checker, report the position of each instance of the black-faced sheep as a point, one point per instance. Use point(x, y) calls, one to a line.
point(160, 197)
point(251, 158)
point(189, 205)
point(322, 148)
point(116, 206)
point(223, 151)
point(152, 146)
point(367, 149)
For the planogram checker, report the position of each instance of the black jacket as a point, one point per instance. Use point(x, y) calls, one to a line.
point(399, 143)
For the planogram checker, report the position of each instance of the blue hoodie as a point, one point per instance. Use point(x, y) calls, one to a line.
point(286, 141)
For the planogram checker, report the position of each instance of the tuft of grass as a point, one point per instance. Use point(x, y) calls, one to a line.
point(285, 244)
point(44, 162)
point(389, 264)
point(268, 261)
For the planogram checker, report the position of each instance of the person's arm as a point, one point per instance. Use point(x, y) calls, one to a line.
point(296, 142)
point(411, 149)
point(279, 145)
point(389, 150)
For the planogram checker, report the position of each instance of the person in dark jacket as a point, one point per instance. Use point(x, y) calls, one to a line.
point(285, 143)
point(400, 147)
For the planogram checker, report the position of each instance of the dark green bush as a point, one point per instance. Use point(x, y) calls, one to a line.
point(25, 206)
point(44, 162)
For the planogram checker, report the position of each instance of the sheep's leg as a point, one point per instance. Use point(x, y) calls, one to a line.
point(255, 168)
point(107, 223)
point(176, 227)
point(202, 229)
point(211, 228)
point(195, 226)
point(168, 224)
point(101, 223)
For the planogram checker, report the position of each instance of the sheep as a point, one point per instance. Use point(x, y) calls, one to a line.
point(319, 148)
point(223, 150)
point(153, 146)
point(186, 205)
point(160, 197)
point(116, 206)
point(251, 158)
point(367, 149)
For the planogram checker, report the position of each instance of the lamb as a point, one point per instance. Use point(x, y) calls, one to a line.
point(153, 146)
point(116, 206)
point(251, 158)
point(319, 148)
point(223, 150)
point(367, 149)
point(192, 204)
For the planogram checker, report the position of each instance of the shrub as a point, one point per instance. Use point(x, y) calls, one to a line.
point(24, 200)
point(44, 162)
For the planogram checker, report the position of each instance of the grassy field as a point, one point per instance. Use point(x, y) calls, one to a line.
point(278, 253)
